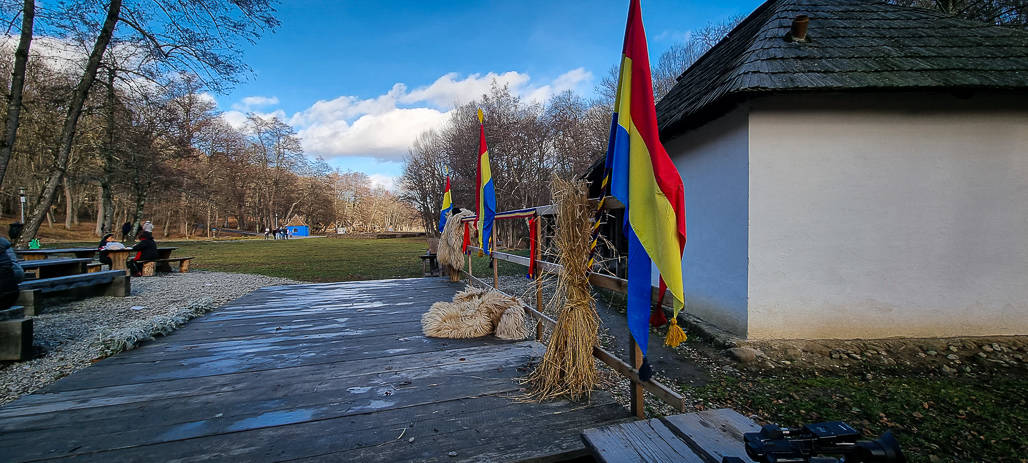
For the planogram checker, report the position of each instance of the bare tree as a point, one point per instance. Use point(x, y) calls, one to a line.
point(14, 97)
point(196, 35)
point(1011, 13)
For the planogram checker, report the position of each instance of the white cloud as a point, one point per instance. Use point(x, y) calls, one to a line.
point(237, 119)
point(386, 182)
point(251, 102)
point(448, 91)
point(384, 135)
point(384, 126)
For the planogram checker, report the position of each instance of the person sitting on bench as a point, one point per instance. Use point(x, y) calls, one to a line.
point(10, 272)
point(146, 250)
point(107, 243)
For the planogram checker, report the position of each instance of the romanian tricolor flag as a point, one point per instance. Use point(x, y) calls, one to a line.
point(643, 178)
point(447, 205)
point(485, 193)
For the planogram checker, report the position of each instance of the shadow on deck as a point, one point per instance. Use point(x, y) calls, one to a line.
point(319, 372)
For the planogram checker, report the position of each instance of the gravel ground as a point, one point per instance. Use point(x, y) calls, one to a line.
point(72, 335)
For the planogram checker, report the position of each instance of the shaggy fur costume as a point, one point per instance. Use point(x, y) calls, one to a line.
point(474, 313)
point(450, 242)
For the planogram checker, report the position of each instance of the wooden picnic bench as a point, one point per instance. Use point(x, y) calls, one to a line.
point(119, 257)
point(15, 334)
point(701, 437)
point(164, 265)
point(49, 268)
point(430, 264)
point(37, 254)
point(109, 283)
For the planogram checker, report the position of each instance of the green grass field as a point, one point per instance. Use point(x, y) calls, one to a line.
point(935, 418)
point(318, 259)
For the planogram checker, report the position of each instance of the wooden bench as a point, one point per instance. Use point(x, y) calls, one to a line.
point(50, 268)
point(15, 334)
point(430, 264)
point(109, 283)
point(701, 437)
point(150, 268)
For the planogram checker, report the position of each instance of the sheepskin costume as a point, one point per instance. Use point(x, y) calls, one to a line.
point(474, 313)
point(450, 242)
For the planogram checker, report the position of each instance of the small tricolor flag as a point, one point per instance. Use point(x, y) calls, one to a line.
point(485, 193)
point(643, 178)
point(447, 205)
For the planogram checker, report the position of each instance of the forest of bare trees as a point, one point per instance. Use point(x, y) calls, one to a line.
point(108, 119)
point(530, 141)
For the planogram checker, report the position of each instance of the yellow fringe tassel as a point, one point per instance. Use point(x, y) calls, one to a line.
point(675, 335)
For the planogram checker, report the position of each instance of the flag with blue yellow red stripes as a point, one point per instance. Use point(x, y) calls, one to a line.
point(647, 183)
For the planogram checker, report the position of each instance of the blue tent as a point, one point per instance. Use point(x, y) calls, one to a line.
point(298, 227)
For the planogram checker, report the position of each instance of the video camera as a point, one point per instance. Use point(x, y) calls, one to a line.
point(812, 442)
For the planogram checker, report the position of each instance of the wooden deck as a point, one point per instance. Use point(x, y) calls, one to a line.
point(319, 372)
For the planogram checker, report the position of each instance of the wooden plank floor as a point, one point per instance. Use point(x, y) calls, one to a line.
point(319, 372)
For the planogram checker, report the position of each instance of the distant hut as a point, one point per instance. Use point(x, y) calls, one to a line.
point(298, 227)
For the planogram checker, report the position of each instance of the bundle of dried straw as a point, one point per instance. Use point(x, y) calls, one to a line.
point(450, 243)
point(568, 368)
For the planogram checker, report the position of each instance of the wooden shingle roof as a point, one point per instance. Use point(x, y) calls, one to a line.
point(854, 45)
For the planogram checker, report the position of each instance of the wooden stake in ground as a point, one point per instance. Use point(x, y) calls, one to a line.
point(568, 368)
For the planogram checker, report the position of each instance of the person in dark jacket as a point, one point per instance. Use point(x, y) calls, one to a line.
point(126, 228)
point(102, 247)
point(146, 250)
point(10, 274)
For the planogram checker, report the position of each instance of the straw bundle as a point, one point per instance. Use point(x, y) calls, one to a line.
point(568, 368)
point(474, 313)
point(450, 242)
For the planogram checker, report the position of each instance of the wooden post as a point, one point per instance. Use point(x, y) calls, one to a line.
point(638, 408)
point(496, 262)
point(470, 275)
point(538, 286)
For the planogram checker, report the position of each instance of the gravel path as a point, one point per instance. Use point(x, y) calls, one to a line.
point(72, 335)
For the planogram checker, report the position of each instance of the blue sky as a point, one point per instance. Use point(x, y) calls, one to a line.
point(359, 80)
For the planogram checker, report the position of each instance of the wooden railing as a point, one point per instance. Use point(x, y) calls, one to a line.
point(630, 371)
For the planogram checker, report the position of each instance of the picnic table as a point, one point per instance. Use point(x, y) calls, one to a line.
point(120, 256)
point(49, 268)
point(37, 254)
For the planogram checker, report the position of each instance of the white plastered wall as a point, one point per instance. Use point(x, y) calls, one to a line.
point(713, 164)
point(869, 219)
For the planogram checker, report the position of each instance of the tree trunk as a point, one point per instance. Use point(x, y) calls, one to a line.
point(78, 99)
point(106, 195)
point(67, 203)
point(208, 220)
point(75, 206)
point(167, 221)
point(100, 211)
point(137, 218)
point(21, 57)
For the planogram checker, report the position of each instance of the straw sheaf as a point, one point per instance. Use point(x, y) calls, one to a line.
point(568, 368)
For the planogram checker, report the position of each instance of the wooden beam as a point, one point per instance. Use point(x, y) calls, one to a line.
point(599, 280)
point(496, 262)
